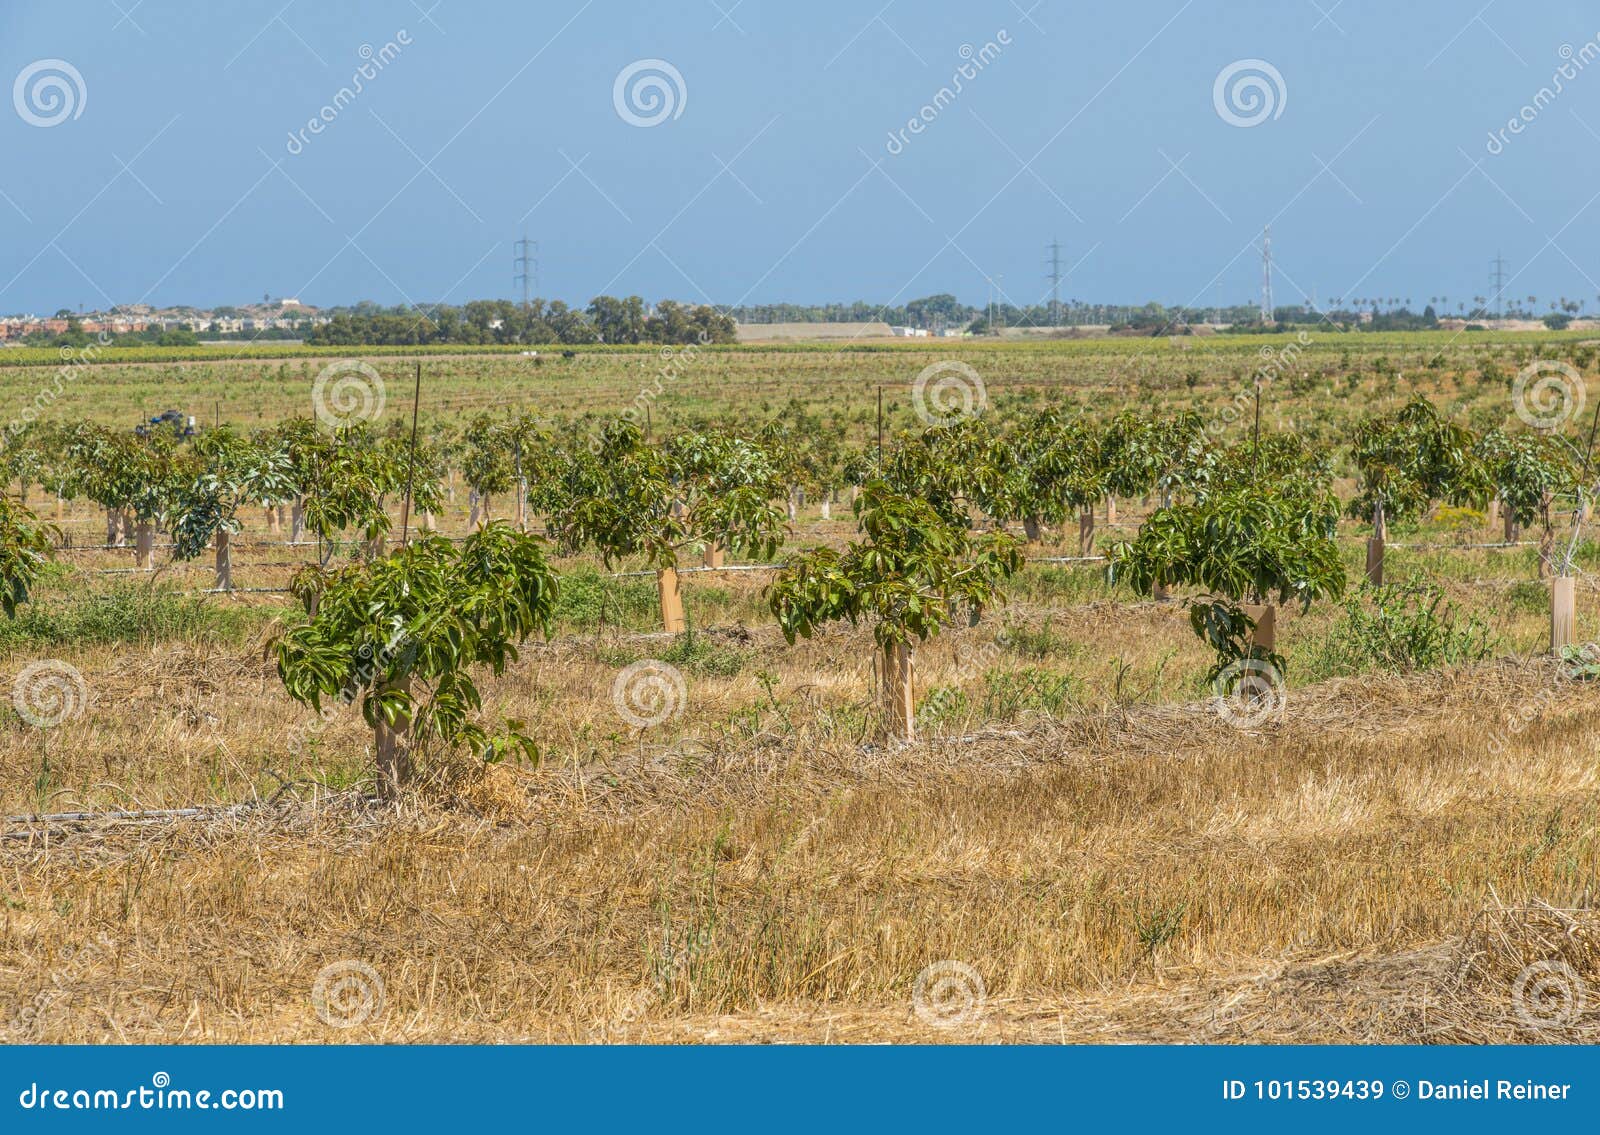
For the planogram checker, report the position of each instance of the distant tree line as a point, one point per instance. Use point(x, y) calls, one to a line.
point(607, 319)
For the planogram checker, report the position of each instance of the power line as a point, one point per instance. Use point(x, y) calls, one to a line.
point(1498, 278)
point(1266, 275)
point(1055, 282)
point(526, 266)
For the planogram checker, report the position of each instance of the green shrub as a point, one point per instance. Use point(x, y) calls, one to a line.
point(1400, 629)
point(129, 612)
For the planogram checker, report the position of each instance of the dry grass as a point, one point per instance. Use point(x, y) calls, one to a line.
point(1361, 871)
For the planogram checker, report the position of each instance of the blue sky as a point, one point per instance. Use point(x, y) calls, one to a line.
point(774, 177)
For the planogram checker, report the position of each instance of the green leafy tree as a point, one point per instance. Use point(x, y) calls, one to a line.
point(908, 578)
point(1273, 546)
point(1529, 471)
point(404, 634)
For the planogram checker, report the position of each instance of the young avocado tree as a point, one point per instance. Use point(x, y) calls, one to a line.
point(1263, 546)
point(485, 465)
point(1045, 471)
point(951, 467)
point(232, 471)
point(627, 498)
point(908, 579)
point(24, 548)
point(404, 634)
point(727, 485)
point(345, 479)
point(1406, 463)
point(1528, 471)
point(133, 478)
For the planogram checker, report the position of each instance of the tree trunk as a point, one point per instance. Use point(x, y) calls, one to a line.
point(1086, 532)
point(713, 556)
point(474, 504)
point(1547, 544)
point(283, 516)
point(1030, 528)
point(392, 744)
point(1111, 509)
point(1563, 613)
point(899, 699)
point(428, 523)
point(1513, 529)
point(1494, 512)
point(522, 506)
point(145, 535)
point(855, 491)
point(297, 520)
point(671, 595)
point(1375, 546)
point(61, 506)
point(272, 521)
point(827, 507)
point(224, 562)
point(792, 506)
point(111, 528)
point(1265, 636)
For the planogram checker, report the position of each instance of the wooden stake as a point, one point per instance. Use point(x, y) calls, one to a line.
point(145, 545)
point(1265, 636)
point(671, 595)
point(224, 561)
point(1375, 547)
point(899, 703)
point(1563, 612)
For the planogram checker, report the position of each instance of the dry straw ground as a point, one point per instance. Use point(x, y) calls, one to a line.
point(1372, 867)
